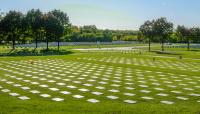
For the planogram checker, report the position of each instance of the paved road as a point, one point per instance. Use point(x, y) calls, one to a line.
point(114, 48)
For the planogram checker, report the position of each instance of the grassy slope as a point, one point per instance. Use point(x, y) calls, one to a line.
point(38, 105)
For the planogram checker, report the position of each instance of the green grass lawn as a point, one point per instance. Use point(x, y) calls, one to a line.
point(112, 82)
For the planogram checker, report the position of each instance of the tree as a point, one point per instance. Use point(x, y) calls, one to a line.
point(196, 35)
point(107, 35)
point(147, 29)
point(62, 24)
point(11, 25)
point(88, 29)
point(180, 33)
point(186, 34)
point(34, 23)
point(53, 27)
point(1, 28)
point(163, 29)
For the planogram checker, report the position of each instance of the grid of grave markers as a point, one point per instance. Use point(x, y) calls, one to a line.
point(56, 80)
point(169, 64)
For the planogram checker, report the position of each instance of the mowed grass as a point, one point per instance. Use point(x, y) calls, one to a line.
point(111, 73)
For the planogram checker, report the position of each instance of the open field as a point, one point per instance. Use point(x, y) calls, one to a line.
point(101, 82)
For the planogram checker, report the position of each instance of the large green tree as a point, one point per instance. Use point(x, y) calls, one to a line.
point(186, 34)
point(54, 29)
point(163, 29)
point(34, 24)
point(11, 25)
point(147, 29)
point(1, 29)
point(196, 35)
point(61, 24)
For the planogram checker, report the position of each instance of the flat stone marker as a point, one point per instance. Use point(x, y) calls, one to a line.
point(162, 94)
point(93, 100)
point(43, 79)
point(91, 80)
point(197, 86)
point(157, 84)
point(51, 81)
point(97, 93)
point(159, 89)
point(54, 89)
point(72, 87)
point(113, 90)
point(5, 90)
point(167, 102)
point(26, 80)
point(182, 98)
point(35, 77)
point(34, 83)
point(145, 91)
point(83, 90)
point(28, 75)
point(129, 83)
point(177, 92)
point(144, 86)
point(129, 94)
point(77, 82)
point(100, 87)
point(112, 97)
point(87, 84)
point(172, 86)
point(17, 85)
point(45, 95)
point(57, 99)
point(19, 78)
point(14, 94)
point(24, 98)
point(129, 88)
point(9, 82)
point(190, 89)
point(34, 91)
point(65, 92)
point(147, 98)
point(130, 101)
point(142, 81)
point(103, 82)
point(194, 94)
point(25, 88)
point(78, 96)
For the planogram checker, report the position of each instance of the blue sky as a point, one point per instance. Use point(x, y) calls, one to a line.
point(115, 14)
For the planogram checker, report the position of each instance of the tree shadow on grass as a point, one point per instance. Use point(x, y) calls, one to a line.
point(35, 52)
point(195, 50)
point(166, 53)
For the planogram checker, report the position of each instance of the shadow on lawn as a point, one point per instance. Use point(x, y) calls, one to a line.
point(166, 53)
point(35, 52)
point(195, 50)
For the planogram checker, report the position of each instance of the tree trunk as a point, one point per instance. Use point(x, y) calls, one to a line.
point(188, 45)
point(149, 44)
point(47, 44)
point(58, 44)
point(13, 42)
point(163, 44)
point(36, 42)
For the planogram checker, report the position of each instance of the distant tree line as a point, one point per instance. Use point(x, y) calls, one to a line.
point(36, 26)
point(54, 26)
point(90, 33)
point(33, 26)
point(162, 31)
